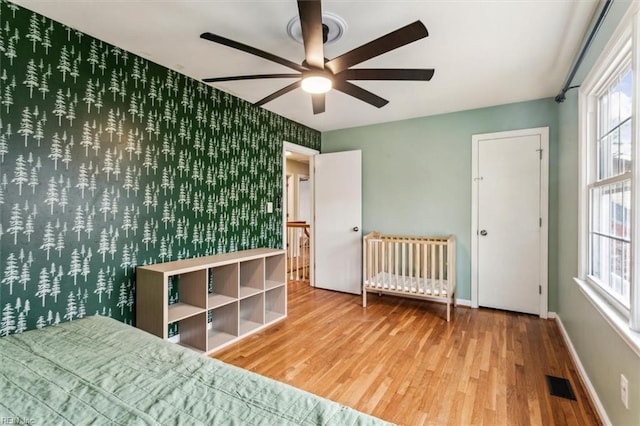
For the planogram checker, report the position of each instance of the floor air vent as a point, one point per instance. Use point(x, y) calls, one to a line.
point(561, 387)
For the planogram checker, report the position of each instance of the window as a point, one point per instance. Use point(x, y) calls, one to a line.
point(610, 188)
point(609, 268)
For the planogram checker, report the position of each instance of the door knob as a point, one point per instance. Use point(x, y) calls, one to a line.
point(483, 232)
point(356, 229)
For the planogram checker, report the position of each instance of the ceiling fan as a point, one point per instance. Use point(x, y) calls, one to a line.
point(317, 75)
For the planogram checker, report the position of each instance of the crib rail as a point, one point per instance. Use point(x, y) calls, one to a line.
point(422, 267)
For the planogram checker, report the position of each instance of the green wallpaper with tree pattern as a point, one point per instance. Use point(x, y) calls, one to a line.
point(109, 161)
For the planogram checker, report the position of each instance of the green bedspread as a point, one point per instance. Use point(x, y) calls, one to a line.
point(99, 371)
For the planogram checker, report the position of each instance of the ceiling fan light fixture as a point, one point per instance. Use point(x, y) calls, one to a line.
point(316, 83)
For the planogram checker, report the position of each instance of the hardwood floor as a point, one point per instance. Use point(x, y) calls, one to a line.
point(398, 359)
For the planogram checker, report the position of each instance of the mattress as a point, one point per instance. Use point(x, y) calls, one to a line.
point(417, 285)
point(99, 371)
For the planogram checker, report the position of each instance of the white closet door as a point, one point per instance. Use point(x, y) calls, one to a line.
point(509, 223)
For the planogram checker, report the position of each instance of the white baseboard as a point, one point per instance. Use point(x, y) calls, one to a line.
point(463, 302)
point(583, 373)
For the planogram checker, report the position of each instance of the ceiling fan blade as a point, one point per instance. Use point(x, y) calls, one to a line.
point(360, 93)
point(393, 40)
point(260, 53)
point(249, 77)
point(386, 74)
point(279, 93)
point(318, 102)
point(310, 12)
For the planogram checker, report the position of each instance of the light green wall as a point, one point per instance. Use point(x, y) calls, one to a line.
point(416, 179)
point(602, 352)
point(417, 173)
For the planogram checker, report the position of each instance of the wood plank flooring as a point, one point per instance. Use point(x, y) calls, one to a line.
point(398, 359)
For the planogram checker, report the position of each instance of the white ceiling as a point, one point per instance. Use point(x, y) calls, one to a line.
point(484, 52)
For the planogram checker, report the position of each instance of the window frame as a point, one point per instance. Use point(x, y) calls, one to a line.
point(623, 46)
point(622, 63)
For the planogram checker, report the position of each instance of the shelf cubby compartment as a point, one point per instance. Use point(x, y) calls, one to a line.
point(223, 328)
point(275, 268)
point(224, 285)
point(251, 313)
point(192, 288)
point(192, 332)
point(275, 304)
point(251, 277)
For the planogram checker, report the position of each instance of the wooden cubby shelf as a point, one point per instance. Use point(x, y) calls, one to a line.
point(221, 298)
point(179, 311)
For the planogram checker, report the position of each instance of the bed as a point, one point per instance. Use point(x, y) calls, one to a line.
point(99, 371)
point(410, 266)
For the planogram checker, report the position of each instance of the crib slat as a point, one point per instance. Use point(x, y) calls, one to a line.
point(441, 274)
point(376, 254)
point(397, 257)
point(416, 267)
point(433, 267)
point(410, 271)
point(425, 251)
point(404, 262)
point(425, 267)
point(390, 255)
point(417, 263)
point(382, 259)
point(373, 268)
point(369, 272)
point(379, 259)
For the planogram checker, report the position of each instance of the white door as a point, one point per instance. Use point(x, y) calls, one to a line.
point(509, 228)
point(338, 215)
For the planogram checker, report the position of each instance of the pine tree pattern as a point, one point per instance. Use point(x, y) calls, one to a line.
point(109, 161)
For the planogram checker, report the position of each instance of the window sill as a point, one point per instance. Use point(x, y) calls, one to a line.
point(611, 315)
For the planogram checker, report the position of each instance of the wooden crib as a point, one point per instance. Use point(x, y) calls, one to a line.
point(417, 267)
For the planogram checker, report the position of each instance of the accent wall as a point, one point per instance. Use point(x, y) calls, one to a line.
point(109, 161)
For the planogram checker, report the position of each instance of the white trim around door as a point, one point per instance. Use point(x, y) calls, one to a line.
point(543, 132)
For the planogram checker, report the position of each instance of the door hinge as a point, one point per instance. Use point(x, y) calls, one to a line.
point(539, 289)
point(540, 151)
point(540, 222)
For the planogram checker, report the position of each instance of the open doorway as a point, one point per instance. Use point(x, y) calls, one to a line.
point(297, 211)
point(298, 191)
